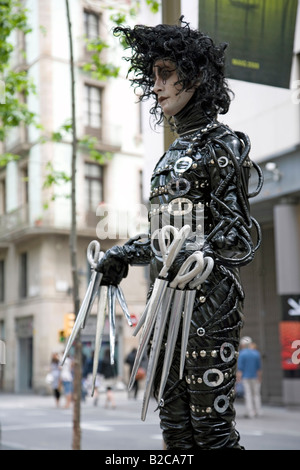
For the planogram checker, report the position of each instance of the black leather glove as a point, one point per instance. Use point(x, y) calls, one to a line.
point(113, 265)
point(115, 262)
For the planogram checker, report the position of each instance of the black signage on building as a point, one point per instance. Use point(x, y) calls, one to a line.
point(260, 35)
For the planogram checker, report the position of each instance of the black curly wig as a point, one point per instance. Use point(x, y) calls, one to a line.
point(195, 55)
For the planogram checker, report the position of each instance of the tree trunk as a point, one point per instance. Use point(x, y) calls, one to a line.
point(76, 441)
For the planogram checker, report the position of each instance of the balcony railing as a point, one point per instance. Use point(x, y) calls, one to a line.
point(13, 220)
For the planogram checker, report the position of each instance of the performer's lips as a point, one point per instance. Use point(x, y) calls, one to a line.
point(161, 99)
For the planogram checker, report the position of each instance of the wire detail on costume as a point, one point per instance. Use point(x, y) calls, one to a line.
point(242, 223)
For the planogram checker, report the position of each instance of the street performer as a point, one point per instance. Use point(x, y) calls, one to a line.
point(203, 178)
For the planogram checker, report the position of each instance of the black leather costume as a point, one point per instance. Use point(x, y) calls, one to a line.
point(198, 411)
point(204, 169)
point(202, 181)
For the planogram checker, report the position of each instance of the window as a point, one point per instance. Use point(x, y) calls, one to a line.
point(2, 283)
point(24, 185)
point(23, 275)
point(93, 186)
point(92, 110)
point(91, 25)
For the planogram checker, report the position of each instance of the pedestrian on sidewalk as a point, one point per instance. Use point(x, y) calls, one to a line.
point(67, 381)
point(108, 370)
point(250, 374)
point(55, 371)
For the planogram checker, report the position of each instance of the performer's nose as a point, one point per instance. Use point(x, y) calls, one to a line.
point(158, 85)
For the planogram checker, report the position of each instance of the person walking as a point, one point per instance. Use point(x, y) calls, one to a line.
point(55, 371)
point(67, 381)
point(250, 374)
point(108, 370)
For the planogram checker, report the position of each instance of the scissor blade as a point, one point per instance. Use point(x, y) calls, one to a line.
point(156, 298)
point(99, 331)
point(159, 330)
point(122, 302)
point(172, 338)
point(93, 296)
point(80, 316)
point(188, 310)
point(141, 320)
point(112, 295)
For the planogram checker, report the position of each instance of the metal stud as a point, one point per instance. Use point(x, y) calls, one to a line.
point(201, 331)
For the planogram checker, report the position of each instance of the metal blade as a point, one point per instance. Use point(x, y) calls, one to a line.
point(159, 330)
point(172, 338)
point(112, 295)
point(156, 298)
point(188, 310)
point(99, 331)
point(80, 316)
point(141, 320)
point(122, 302)
point(94, 293)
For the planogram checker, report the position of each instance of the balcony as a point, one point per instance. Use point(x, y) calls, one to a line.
point(109, 136)
point(16, 219)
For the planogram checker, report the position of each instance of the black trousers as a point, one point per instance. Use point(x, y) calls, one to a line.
point(198, 410)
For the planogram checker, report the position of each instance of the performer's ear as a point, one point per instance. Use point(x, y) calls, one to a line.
point(198, 81)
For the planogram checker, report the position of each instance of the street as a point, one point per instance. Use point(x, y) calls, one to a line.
point(31, 422)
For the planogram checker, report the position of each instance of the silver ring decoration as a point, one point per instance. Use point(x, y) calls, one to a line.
point(213, 383)
point(180, 206)
point(223, 349)
point(201, 331)
point(223, 161)
point(221, 408)
point(178, 187)
point(183, 164)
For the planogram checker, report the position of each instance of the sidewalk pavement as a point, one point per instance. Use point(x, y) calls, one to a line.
point(273, 419)
point(278, 425)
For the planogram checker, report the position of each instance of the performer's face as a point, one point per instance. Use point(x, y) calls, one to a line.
point(170, 96)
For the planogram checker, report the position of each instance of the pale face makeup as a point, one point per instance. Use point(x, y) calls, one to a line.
point(169, 96)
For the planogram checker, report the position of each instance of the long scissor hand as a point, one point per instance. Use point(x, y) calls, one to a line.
point(93, 255)
point(169, 251)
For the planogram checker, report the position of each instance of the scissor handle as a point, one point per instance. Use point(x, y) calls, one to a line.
point(93, 253)
point(208, 267)
point(185, 273)
point(168, 250)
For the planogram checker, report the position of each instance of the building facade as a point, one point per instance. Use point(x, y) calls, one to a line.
point(35, 220)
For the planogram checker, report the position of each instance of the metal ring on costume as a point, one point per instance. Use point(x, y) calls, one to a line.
point(223, 161)
point(223, 348)
point(219, 407)
point(183, 164)
point(180, 206)
point(178, 187)
point(213, 383)
point(201, 331)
